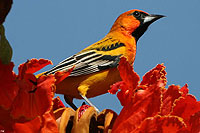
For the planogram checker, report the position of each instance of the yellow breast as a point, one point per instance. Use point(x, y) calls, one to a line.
point(89, 85)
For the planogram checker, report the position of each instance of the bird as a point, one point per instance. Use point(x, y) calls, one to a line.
point(95, 67)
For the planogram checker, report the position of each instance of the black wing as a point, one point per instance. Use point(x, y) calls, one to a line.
point(86, 63)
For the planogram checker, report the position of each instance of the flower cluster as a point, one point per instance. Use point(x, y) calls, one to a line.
point(27, 103)
point(149, 107)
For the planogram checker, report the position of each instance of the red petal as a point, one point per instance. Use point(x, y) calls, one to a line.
point(44, 124)
point(49, 124)
point(8, 86)
point(6, 120)
point(194, 123)
point(32, 126)
point(168, 99)
point(57, 103)
point(145, 103)
point(60, 76)
point(32, 66)
point(184, 90)
point(156, 74)
point(35, 96)
point(186, 107)
point(115, 87)
point(123, 95)
point(129, 83)
point(35, 65)
point(127, 74)
point(158, 124)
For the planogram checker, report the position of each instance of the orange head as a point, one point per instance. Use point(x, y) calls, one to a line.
point(134, 22)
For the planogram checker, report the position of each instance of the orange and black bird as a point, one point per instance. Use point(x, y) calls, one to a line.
point(95, 67)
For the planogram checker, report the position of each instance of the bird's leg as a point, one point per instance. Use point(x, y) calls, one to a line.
point(88, 101)
point(83, 91)
point(69, 100)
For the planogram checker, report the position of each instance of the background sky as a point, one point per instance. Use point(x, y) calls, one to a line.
point(57, 29)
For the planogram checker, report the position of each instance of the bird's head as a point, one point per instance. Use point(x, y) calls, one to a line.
point(134, 22)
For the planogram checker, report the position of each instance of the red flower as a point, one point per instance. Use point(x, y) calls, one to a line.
point(57, 103)
point(35, 95)
point(126, 85)
point(28, 101)
point(45, 123)
point(149, 107)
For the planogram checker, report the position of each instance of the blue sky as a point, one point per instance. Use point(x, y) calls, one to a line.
point(57, 29)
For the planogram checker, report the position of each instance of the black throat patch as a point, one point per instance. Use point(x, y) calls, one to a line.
point(143, 27)
point(139, 31)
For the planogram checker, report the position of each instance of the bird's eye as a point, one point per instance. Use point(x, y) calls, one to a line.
point(136, 14)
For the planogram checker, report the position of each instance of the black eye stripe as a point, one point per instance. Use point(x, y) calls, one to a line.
point(139, 15)
point(136, 14)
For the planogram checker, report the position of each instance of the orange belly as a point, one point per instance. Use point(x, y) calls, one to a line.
point(89, 85)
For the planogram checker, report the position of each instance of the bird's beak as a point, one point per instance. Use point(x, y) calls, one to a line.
point(151, 18)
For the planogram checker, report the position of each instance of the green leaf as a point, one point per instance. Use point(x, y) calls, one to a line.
point(5, 48)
